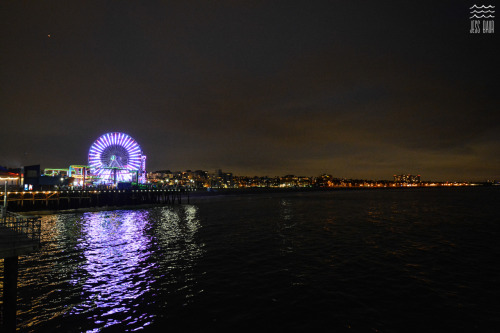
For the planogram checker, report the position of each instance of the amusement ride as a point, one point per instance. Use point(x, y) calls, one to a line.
point(116, 157)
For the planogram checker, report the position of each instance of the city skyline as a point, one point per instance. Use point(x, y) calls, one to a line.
point(259, 88)
point(153, 176)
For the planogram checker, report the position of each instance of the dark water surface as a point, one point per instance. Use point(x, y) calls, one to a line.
point(416, 260)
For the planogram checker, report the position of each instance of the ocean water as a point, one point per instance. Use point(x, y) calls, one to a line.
point(402, 260)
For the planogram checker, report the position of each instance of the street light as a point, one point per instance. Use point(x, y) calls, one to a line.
point(4, 208)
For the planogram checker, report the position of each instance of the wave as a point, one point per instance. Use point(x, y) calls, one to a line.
point(482, 11)
point(482, 16)
point(482, 7)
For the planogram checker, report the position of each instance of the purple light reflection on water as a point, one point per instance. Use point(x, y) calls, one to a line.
point(116, 270)
point(116, 250)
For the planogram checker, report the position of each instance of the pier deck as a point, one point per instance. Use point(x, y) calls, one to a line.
point(13, 244)
point(19, 235)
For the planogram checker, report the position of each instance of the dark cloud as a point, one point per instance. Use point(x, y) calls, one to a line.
point(355, 89)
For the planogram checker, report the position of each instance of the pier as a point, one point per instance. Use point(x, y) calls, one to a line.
point(24, 201)
point(19, 235)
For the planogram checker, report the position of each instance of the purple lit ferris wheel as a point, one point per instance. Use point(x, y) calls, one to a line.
point(116, 157)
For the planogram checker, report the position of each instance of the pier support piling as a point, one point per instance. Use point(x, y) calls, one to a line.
point(10, 293)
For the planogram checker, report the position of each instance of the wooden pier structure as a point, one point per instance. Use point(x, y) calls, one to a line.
point(24, 201)
point(19, 235)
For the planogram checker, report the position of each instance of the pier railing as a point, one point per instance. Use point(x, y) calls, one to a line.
point(24, 227)
point(74, 199)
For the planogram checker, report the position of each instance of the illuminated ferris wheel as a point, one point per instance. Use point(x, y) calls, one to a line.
point(116, 157)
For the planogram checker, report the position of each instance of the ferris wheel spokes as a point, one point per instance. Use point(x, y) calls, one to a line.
point(116, 157)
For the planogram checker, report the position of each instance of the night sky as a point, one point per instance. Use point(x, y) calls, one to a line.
point(356, 89)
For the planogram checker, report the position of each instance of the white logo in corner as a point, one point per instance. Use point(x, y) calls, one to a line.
point(482, 19)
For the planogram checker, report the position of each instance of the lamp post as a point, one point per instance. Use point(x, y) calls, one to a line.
point(4, 209)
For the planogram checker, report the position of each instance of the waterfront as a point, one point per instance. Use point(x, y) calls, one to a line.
point(360, 261)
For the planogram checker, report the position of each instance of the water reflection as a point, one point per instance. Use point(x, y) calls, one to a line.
point(286, 212)
point(115, 272)
point(129, 262)
point(285, 226)
point(179, 251)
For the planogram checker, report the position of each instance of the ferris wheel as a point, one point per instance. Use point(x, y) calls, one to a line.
point(115, 157)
